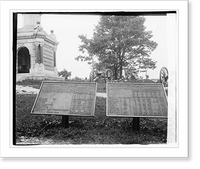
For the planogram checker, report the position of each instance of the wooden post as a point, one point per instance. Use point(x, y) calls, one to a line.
point(65, 121)
point(136, 123)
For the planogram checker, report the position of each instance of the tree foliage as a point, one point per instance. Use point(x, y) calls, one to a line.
point(64, 73)
point(119, 41)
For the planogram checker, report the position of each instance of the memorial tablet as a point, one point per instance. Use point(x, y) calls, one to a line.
point(136, 100)
point(65, 98)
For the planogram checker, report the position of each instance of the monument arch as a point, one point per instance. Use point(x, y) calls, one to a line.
point(23, 60)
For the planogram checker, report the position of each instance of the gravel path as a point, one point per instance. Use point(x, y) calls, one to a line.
point(30, 90)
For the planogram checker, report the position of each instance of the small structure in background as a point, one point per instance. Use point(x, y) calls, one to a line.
point(98, 76)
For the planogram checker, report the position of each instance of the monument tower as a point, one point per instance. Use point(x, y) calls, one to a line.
point(36, 50)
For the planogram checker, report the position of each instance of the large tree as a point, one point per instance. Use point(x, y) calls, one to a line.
point(118, 41)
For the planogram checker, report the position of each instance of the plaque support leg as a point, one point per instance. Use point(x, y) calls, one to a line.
point(136, 124)
point(65, 121)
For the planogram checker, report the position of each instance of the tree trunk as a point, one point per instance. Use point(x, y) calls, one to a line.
point(121, 65)
point(120, 70)
point(115, 72)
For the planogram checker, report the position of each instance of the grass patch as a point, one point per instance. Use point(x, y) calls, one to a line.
point(31, 125)
point(31, 83)
point(86, 130)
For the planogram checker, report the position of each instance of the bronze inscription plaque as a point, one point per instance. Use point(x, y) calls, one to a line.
point(65, 98)
point(48, 58)
point(136, 100)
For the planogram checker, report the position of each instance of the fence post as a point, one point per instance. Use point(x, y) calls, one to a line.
point(65, 121)
point(136, 124)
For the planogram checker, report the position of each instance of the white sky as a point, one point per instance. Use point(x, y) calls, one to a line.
point(68, 27)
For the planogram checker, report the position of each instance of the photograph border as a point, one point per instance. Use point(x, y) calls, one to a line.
point(10, 108)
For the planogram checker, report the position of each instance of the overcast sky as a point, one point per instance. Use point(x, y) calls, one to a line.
point(68, 27)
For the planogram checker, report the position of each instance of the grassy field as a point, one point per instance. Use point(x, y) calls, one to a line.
point(100, 129)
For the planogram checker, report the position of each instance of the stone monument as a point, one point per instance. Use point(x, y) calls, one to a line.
point(36, 51)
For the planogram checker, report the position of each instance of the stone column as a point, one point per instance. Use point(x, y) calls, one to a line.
point(32, 67)
point(41, 52)
point(30, 20)
point(18, 47)
point(36, 52)
point(54, 58)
